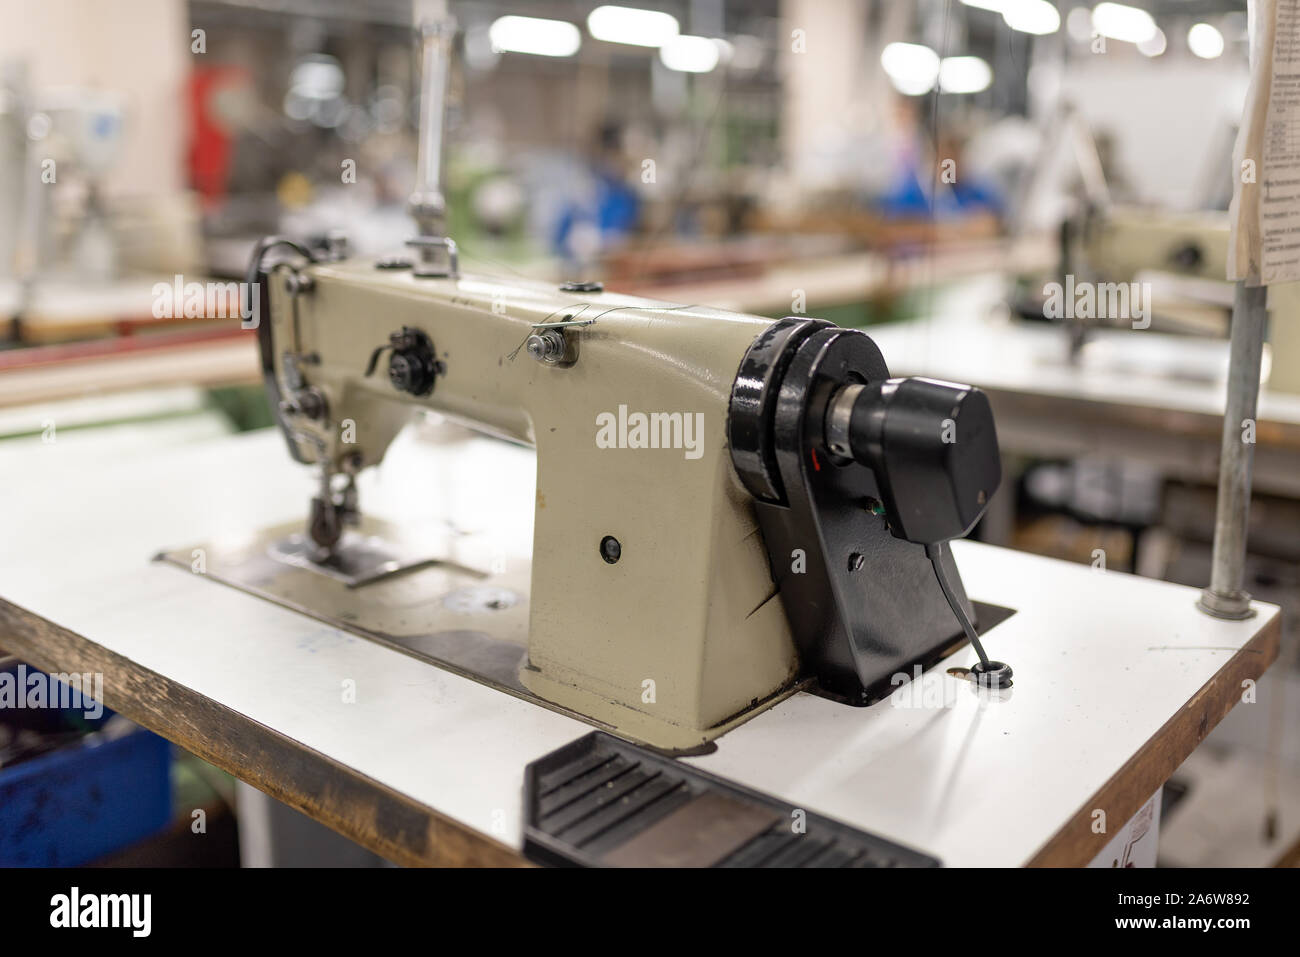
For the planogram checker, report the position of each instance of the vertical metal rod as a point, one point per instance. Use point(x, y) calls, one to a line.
point(436, 29)
point(1226, 597)
point(433, 96)
point(437, 255)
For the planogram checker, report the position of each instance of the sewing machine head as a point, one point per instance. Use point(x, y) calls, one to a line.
point(727, 508)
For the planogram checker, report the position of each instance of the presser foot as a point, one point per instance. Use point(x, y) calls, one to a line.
point(354, 559)
point(332, 513)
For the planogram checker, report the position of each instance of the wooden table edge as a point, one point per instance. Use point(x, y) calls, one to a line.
point(407, 832)
point(381, 819)
point(1075, 844)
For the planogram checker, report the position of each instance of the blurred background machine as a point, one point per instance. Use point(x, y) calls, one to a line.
point(922, 168)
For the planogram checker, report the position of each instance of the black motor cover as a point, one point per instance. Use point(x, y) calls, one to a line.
point(862, 600)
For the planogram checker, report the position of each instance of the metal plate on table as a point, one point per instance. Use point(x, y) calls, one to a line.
point(439, 595)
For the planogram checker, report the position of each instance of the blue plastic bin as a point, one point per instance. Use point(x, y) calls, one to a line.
point(83, 801)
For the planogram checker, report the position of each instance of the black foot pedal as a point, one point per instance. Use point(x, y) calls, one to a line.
point(602, 802)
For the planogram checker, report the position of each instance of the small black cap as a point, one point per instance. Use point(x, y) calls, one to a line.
point(997, 674)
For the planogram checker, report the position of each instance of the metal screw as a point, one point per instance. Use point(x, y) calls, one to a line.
point(610, 549)
point(296, 282)
point(308, 403)
point(312, 404)
point(546, 346)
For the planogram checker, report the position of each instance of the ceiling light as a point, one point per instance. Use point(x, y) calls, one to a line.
point(689, 54)
point(1205, 41)
point(1121, 22)
point(1031, 16)
point(1154, 45)
point(912, 68)
point(964, 74)
point(642, 28)
point(534, 35)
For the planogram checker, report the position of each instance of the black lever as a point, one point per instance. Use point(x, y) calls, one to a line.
point(933, 447)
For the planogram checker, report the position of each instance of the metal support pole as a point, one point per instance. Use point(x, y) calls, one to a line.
point(427, 205)
point(1226, 598)
point(436, 251)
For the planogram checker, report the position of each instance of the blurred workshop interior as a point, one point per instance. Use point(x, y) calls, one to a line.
point(940, 173)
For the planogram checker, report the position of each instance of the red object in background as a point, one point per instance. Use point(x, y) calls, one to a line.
point(211, 139)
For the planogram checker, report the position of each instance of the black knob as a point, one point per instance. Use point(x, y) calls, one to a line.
point(933, 447)
point(405, 373)
point(1188, 257)
point(412, 364)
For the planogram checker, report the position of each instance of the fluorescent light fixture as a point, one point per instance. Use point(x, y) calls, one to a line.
point(1154, 46)
point(317, 77)
point(964, 74)
point(912, 68)
point(1121, 22)
point(688, 54)
point(1205, 41)
point(1031, 16)
point(534, 35)
point(995, 5)
point(642, 28)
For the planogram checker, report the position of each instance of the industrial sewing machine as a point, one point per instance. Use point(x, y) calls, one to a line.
point(728, 509)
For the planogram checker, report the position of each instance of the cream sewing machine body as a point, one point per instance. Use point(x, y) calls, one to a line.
point(728, 508)
point(681, 579)
point(683, 617)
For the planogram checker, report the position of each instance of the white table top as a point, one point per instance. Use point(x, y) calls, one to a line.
point(1102, 660)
